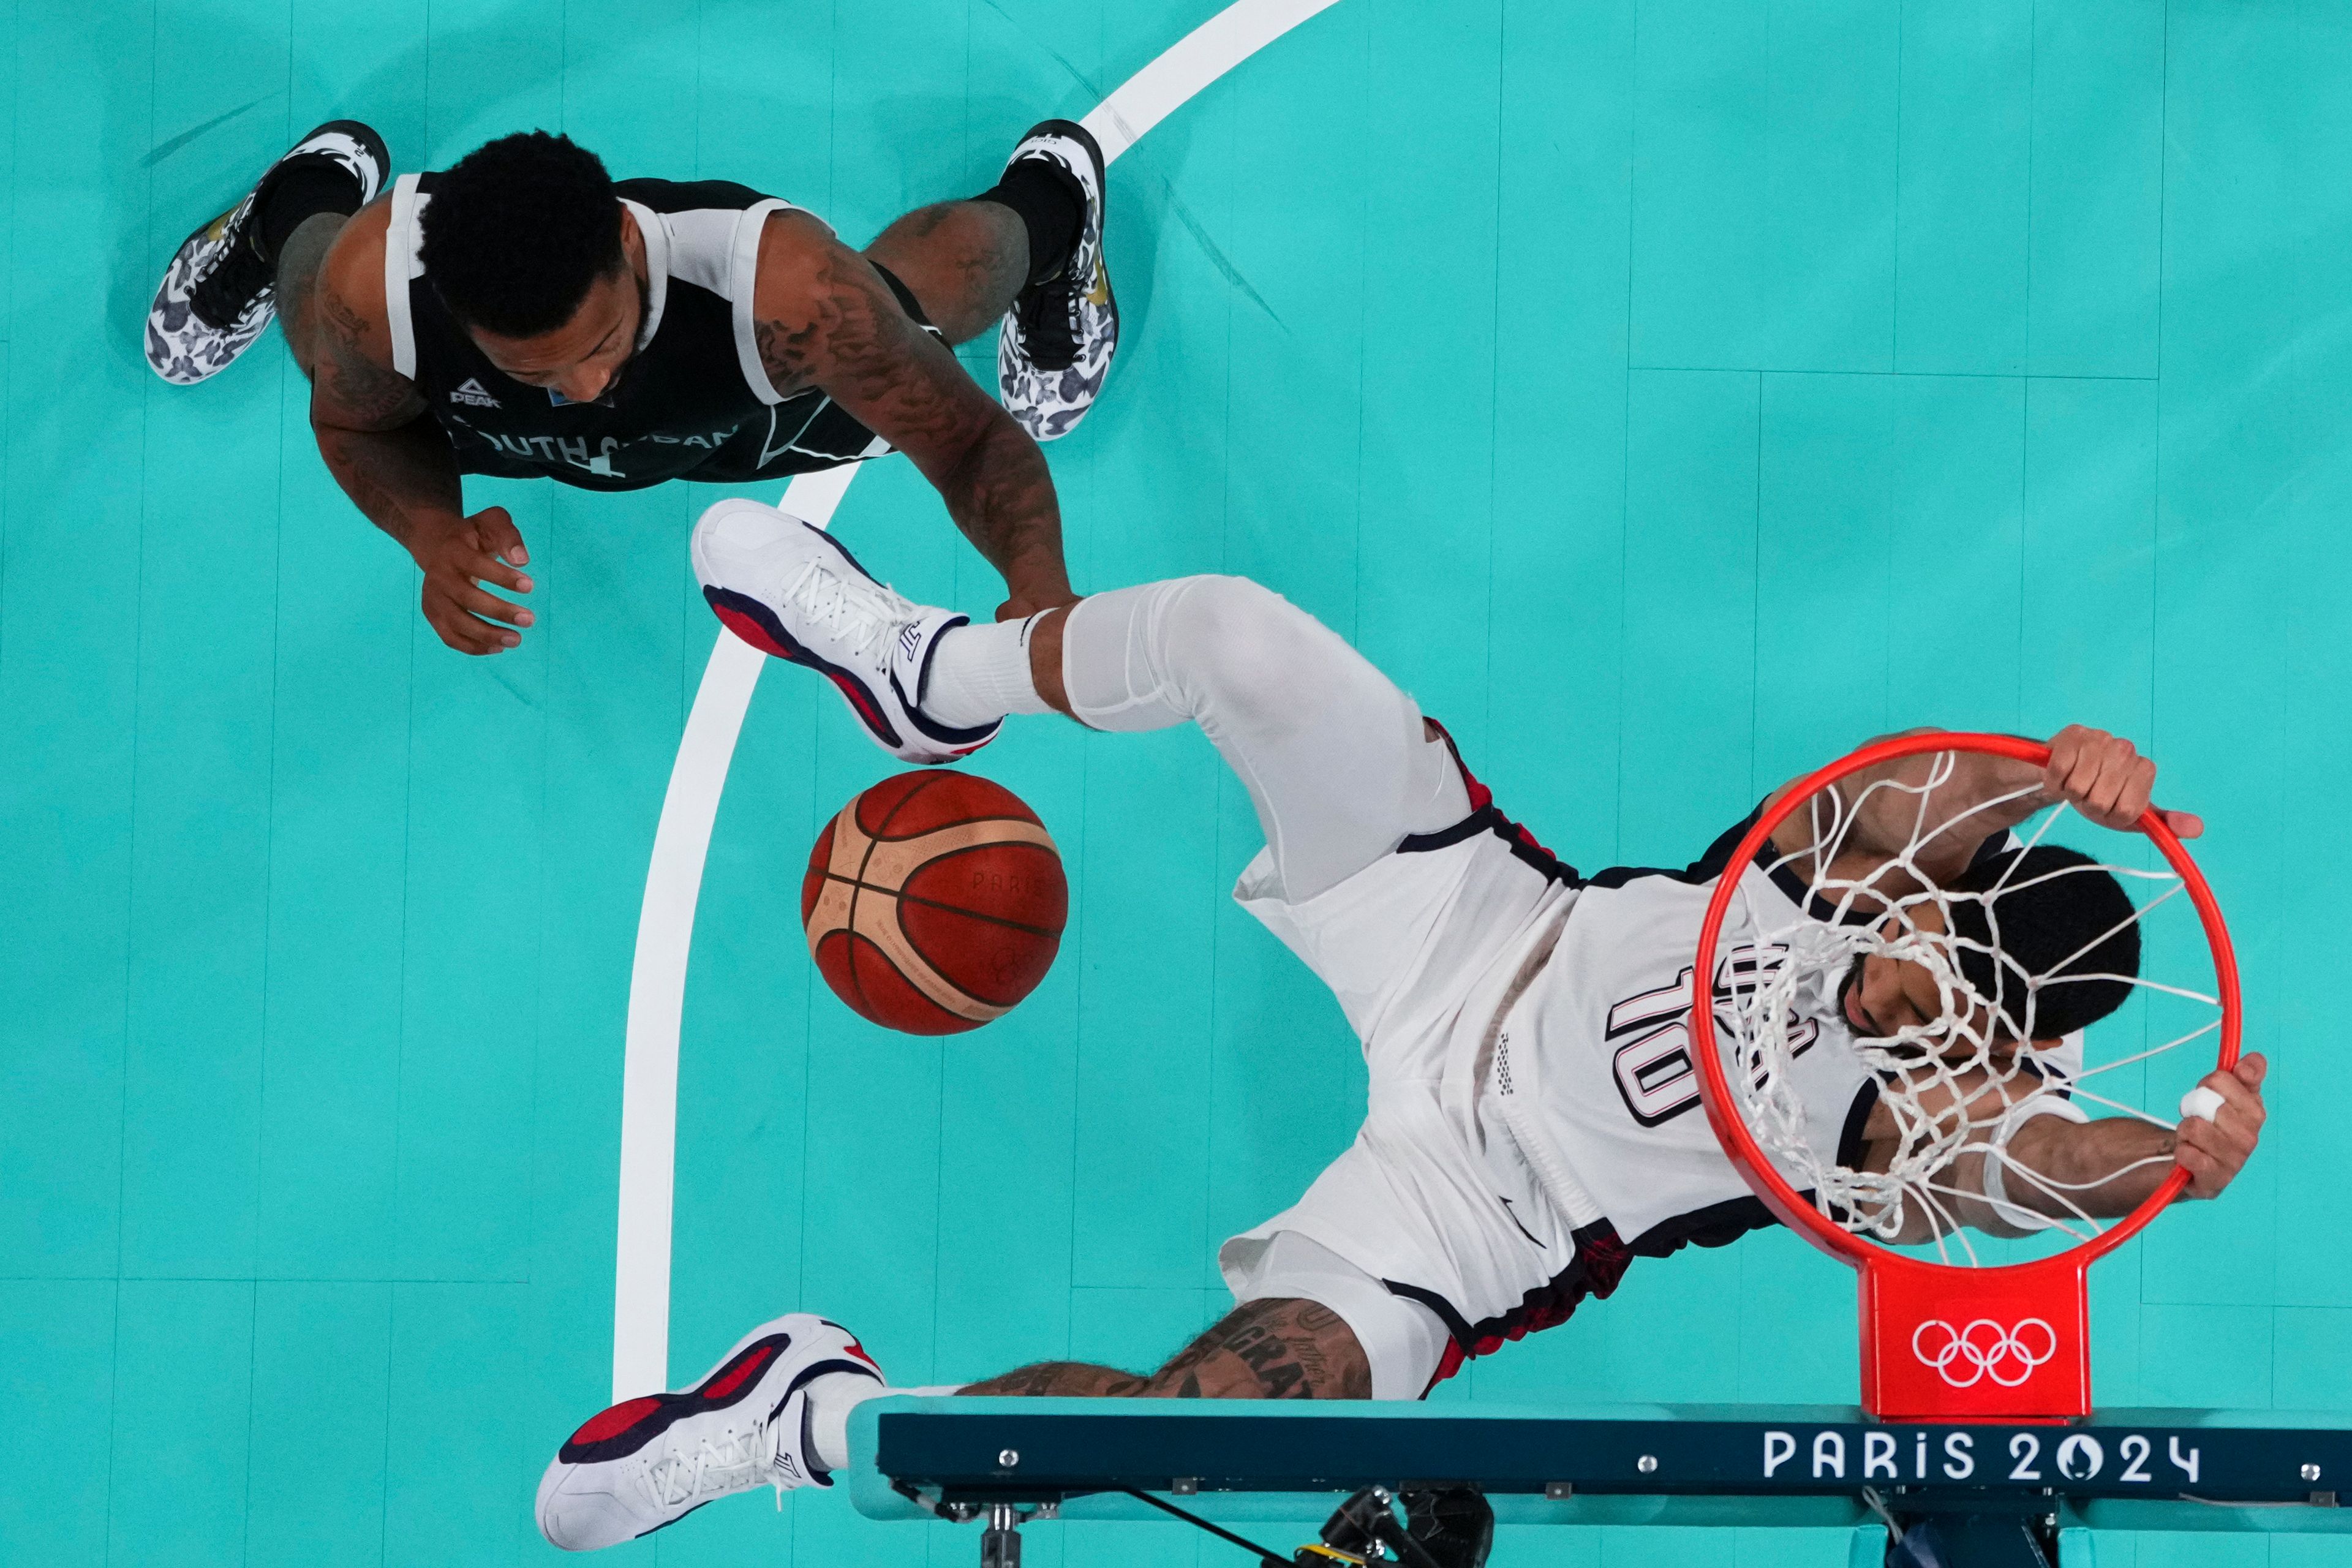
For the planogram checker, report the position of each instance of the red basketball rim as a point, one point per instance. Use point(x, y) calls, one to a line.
point(1723, 1114)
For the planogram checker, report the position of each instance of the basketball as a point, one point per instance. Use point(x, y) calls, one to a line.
point(934, 901)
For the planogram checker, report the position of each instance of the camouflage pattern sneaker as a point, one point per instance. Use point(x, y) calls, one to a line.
point(220, 292)
point(1055, 347)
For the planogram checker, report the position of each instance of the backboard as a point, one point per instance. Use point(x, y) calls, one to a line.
point(2005, 1488)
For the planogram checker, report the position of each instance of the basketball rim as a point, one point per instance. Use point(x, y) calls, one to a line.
point(1912, 1310)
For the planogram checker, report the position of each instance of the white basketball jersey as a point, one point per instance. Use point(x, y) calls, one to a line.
point(1594, 1064)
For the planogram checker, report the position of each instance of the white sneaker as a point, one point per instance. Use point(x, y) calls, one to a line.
point(649, 1462)
point(794, 592)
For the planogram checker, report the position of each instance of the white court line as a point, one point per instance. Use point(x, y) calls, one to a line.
point(674, 876)
point(657, 982)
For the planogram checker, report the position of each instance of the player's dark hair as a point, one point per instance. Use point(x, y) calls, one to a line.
point(518, 230)
point(2056, 913)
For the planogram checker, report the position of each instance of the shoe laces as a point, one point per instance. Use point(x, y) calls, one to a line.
point(1047, 315)
point(238, 279)
point(714, 1465)
point(859, 614)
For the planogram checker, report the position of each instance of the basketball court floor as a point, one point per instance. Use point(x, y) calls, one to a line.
point(1670, 393)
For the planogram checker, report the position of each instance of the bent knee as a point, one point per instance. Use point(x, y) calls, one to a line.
point(1215, 607)
point(1238, 637)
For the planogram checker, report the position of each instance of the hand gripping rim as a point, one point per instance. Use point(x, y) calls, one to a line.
point(1715, 1090)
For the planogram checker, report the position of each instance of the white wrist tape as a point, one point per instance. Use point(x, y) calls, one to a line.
point(2201, 1101)
point(2043, 1102)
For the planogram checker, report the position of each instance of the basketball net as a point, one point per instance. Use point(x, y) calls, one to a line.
point(1950, 1331)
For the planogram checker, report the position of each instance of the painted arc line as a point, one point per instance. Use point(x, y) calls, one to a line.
point(1190, 65)
point(641, 1275)
point(657, 982)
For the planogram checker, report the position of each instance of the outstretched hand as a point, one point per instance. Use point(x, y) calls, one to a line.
point(459, 562)
point(2104, 777)
point(2214, 1149)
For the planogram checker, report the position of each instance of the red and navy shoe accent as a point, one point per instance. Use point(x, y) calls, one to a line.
point(797, 593)
point(761, 626)
point(646, 1463)
point(629, 1425)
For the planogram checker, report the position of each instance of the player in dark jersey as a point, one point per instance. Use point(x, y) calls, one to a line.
point(524, 315)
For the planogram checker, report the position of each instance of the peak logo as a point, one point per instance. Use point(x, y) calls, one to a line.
point(472, 393)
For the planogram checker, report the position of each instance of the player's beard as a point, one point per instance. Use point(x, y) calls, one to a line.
point(611, 394)
point(1849, 1003)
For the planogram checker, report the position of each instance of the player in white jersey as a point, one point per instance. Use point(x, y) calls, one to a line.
point(1533, 1121)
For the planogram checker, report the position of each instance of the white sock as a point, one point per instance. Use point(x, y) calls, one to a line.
point(832, 1397)
point(981, 673)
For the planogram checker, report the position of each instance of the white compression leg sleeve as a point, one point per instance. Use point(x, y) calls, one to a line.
point(1335, 758)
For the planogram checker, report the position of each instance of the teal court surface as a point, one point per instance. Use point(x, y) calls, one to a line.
point(1670, 393)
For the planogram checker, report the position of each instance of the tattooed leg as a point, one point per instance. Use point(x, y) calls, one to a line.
point(1283, 1349)
point(964, 261)
point(1280, 1348)
point(298, 260)
point(1061, 1379)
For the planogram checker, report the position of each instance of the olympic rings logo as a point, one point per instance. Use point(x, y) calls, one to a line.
point(1964, 1357)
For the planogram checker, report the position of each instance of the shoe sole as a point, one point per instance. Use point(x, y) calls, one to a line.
point(625, 1428)
point(755, 623)
point(620, 1430)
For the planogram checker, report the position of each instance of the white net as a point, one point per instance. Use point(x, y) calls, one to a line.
point(1948, 1076)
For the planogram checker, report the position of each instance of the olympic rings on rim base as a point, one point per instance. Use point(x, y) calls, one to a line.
point(1984, 1349)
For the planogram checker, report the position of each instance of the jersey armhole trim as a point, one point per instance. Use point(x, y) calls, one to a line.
point(654, 233)
point(1850, 1145)
point(744, 279)
point(400, 247)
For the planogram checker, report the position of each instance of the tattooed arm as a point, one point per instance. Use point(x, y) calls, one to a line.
point(1939, 807)
point(383, 446)
point(1260, 1350)
point(2065, 1169)
point(825, 319)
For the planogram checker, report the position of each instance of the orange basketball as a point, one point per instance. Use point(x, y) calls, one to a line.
point(934, 901)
